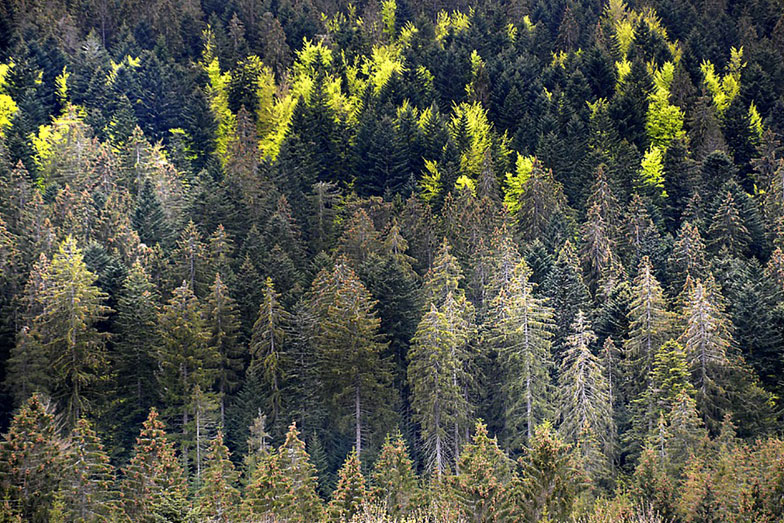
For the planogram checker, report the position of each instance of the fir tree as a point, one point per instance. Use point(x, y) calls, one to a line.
point(223, 326)
point(153, 482)
point(567, 292)
point(350, 493)
point(31, 458)
point(727, 229)
point(597, 254)
point(87, 488)
point(522, 329)
point(295, 466)
point(395, 485)
point(189, 260)
point(348, 337)
point(218, 499)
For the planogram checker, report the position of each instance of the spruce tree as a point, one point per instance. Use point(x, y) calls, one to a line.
point(186, 359)
point(189, 260)
point(350, 493)
point(134, 351)
point(483, 477)
point(688, 258)
point(567, 292)
point(522, 328)
point(295, 466)
point(350, 349)
point(597, 254)
point(650, 324)
point(435, 374)
point(270, 360)
point(87, 488)
point(31, 458)
point(395, 485)
point(222, 322)
point(66, 329)
point(541, 198)
point(585, 409)
point(153, 483)
point(727, 229)
point(219, 499)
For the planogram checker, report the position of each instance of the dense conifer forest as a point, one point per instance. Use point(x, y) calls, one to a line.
point(438, 260)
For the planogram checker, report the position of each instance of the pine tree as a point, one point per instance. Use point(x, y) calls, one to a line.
point(153, 482)
point(223, 325)
point(350, 493)
point(87, 488)
point(350, 350)
point(650, 324)
point(522, 328)
point(66, 330)
point(585, 408)
point(395, 485)
point(268, 346)
point(31, 457)
point(133, 356)
point(186, 359)
point(484, 474)
point(435, 374)
point(218, 499)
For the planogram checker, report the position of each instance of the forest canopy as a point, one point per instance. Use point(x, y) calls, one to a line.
point(505, 260)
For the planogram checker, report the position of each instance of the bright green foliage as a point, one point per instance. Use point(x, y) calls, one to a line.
point(218, 499)
point(268, 345)
point(153, 482)
point(87, 488)
point(395, 485)
point(350, 493)
point(584, 400)
point(31, 455)
point(650, 324)
point(66, 329)
point(484, 474)
point(523, 326)
point(725, 88)
point(350, 350)
point(550, 478)
point(223, 325)
point(515, 182)
point(652, 171)
point(665, 121)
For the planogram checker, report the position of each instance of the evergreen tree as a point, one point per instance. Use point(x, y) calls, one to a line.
point(148, 218)
point(727, 229)
point(541, 198)
point(688, 258)
point(87, 488)
point(522, 329)
point(350, 493)
point(189, 260)
point(66, 329)
point(650, 324)
point(597, 254)
point(435, 372)
point(567, 292)
point(218, 499)
point(585, 408)
point(395, 485)
point(484, 473)
point(153, 483)
point(31, 458)
point(348, 338)
point(134, 352)
point(295, 466)
point(223, 326)
point(186, 359)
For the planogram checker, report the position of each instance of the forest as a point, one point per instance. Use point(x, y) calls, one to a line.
point(391, 261)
